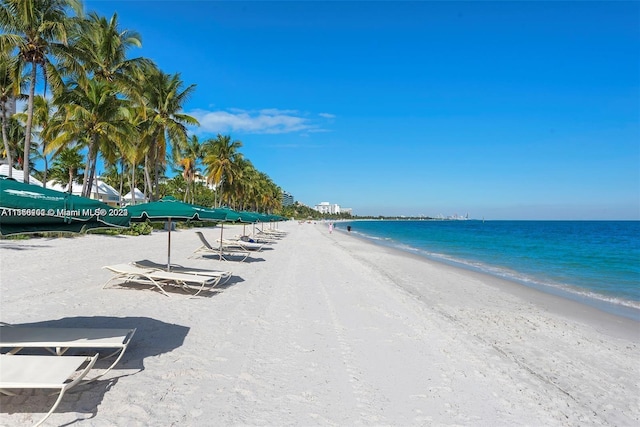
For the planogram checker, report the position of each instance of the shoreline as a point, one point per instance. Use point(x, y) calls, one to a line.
point(611, 305)
point(320, 329)
point(619, 325)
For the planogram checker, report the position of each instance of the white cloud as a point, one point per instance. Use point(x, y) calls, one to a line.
point(266, 121)
point(327, 115)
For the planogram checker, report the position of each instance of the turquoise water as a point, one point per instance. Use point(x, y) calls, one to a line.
point(593, 262)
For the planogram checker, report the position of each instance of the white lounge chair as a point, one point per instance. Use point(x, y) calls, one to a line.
point(242, 244)
point(48, 372)
point(161, 278)
point(274, 233)
point(223, 275)
point(225, 252)
point(259, 238)
point(59, 340)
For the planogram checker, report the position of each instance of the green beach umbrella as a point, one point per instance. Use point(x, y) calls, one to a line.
point(26, 208)
point(169, 209)
point(268, 218)
point(251, 217)
point(231, 216)
point(255, 217)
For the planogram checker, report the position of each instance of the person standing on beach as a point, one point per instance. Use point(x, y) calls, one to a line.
point(330, 227)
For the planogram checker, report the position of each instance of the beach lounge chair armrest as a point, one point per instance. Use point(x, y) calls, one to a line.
point(48, 372)
point(58, 340)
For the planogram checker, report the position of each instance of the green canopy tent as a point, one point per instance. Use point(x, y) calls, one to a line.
point(26, 208)
point(169, 209)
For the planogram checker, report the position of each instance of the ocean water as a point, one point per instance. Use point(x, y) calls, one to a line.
point(592, 262)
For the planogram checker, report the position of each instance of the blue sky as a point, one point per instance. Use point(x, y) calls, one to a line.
point(503, 110)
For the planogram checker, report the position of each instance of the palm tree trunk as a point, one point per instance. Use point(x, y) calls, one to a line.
point(86, 191)
point(5, 140)
point(87, 168)
point(147, 178)
point(46, 169)
point(70, 180)
point(27, 136)
point(121, 183)
point(185, 198)
point(132, 184)
point(156, 193)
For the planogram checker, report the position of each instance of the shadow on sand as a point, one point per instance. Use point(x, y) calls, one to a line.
point(152, 338)
point(233, 258)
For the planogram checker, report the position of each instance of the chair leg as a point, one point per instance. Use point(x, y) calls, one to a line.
point(55, 405)
point(85, 371)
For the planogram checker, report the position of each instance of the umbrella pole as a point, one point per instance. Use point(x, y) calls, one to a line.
point(221, 229)
point(169, 248)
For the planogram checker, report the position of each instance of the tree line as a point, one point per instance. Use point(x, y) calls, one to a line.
point(99, 104)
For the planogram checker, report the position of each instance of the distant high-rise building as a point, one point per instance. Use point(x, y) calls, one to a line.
point(327, 208)
point(287, 199)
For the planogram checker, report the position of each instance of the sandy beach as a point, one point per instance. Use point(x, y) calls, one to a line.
point(319, 329)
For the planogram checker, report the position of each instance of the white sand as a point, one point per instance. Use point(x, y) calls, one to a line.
point(323, 329)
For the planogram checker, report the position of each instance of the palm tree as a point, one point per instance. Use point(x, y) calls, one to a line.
point(138, 154)
point(44, 126)
point(267, 196)
point(164, 122)
point(37, 29)
point(100, 53)
point(188, 160)
point(134, 151)
point(66, 167)
point(96, 117)
point(15, 141)
point(244, 188)
point(221, 160)
point(11, 82)
point(273, 197)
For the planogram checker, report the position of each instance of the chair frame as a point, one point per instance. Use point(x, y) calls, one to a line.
point(245, 246)
point(160, 278)
point(58, 341)
point(176, 268)
point(224, 252)
point(43, 372)
point(264, 239)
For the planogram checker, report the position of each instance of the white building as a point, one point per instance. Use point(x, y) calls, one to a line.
point(140, 198)
point(18, 175)
point(99, 191)
point(327, 208)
